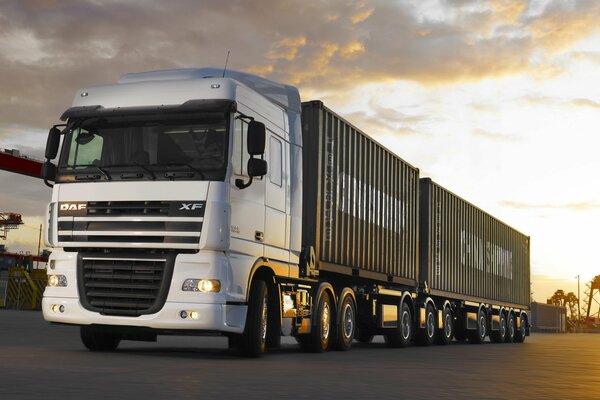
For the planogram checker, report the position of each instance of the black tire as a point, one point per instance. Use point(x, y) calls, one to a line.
point(97, 340)
point(522, 332)
point(510, 328)
point(253, 342)
point(446, 334)
point(364, 336)
point(499, 336)
point(403, 334)
point(478, 335)
point(321, 333)
point(346, 324)
point(274, 318)
point(426, 336)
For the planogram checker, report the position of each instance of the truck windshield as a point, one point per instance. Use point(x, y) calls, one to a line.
point(121, 149)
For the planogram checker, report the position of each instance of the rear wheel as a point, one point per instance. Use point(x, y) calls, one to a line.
point(97, 340)
point(522, 331)
point(426, 336)
point(402, 335)
point(346, 326)
point(320, 337)
point(445, 335)
point(478, 336)
point(510, 329)
point(499, 336)
point(253, 342)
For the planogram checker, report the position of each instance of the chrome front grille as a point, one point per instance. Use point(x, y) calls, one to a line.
point(135, 224)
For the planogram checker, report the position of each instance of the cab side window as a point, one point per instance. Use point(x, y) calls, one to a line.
point(239, 154)
point(275, 161)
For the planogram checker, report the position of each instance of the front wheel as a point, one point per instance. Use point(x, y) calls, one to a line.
point(253, 342)
point(97, 340)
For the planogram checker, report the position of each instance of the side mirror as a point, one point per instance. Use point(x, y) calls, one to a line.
point(48, 173)
point(257, 167)
point(52, 143)
point(256, 138)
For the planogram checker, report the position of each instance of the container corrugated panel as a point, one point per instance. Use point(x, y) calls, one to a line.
point(360, 201)
point(468, 254)
point(548, 318)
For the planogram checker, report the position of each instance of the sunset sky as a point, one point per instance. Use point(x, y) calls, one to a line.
point(497, 100)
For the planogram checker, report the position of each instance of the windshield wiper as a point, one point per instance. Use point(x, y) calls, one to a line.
point(94, 177)
point(173, 174)
point(132, 165)
point(146, 169)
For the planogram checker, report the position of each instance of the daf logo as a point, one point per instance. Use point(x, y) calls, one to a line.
point(73, 206)
point(190, 206)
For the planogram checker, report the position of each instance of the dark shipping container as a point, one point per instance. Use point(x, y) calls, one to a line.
point(548, 318)
point(360, 201)
point(467, 254)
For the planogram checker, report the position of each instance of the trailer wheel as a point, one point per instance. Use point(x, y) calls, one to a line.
point(364, 336)
point(521, 333)
point(510, 328)
point(499, 336)
point(426, 336)
point(478, 335)
point(445, 335)
point(402, 335)
point(320, 337)
point(97, 340)
point(346, 324)
point(253, 342)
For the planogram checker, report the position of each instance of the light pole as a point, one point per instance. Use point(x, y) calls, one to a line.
point(578, 306)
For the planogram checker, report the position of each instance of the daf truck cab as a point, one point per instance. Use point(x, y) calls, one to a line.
point(174, 205)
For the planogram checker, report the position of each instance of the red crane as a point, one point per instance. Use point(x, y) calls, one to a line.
point(13, 161)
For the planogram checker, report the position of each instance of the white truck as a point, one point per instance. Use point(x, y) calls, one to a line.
point(198, 201)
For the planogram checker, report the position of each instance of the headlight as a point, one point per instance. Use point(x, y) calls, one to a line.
point(201, 285)
point(57, 281)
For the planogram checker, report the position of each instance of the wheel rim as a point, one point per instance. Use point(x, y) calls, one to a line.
point(263, 319)
point(523, 329)
point(430, 325)
point(405, 325)
point(482, 326)
point(348, 322)
point(503, 326)
point(511, 329)
point(325, 317)
point(448, 325)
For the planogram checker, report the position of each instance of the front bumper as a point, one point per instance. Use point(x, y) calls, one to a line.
point(211, 317)
point(213, 312)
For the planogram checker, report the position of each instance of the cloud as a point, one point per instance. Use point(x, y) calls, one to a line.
point(579, 206)
point(485, 134)
point(585, 103)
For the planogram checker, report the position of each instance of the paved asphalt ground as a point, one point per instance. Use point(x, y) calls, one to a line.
point(43, 361)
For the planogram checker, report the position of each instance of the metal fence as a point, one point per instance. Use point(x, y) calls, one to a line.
point(23, 290)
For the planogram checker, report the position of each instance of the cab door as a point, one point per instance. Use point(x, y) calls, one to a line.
point(276, 224)
point(247, 205)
